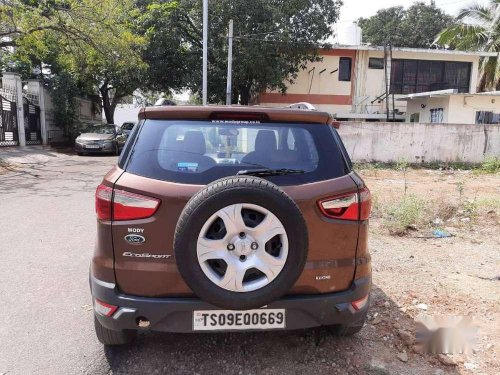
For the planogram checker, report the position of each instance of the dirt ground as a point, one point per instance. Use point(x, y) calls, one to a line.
point(458, 275)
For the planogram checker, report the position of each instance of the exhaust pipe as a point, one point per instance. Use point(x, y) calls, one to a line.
point(143, 322)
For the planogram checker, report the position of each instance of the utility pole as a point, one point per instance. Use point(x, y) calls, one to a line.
point(229, 63)
point(205, 50)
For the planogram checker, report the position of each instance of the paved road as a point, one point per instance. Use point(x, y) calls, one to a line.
point(47, 228)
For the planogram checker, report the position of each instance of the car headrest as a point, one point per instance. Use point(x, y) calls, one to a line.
point(265, 141)
point(194, 142)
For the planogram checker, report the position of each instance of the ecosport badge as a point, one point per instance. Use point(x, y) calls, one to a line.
point(146, 255)
point(135, 239)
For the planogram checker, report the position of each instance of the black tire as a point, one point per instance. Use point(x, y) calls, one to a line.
point(110, 337)
point(116, 149)
point(217, 195)
point(344, 330)
point(349, 329)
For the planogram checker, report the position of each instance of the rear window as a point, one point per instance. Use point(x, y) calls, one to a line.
point(199, 152)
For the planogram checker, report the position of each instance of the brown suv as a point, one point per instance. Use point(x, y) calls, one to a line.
point(231, 218)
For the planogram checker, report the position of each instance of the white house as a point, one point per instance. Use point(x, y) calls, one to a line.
point(365, 82)
point(452, 107)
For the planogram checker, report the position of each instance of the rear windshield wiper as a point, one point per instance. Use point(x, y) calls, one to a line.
point(268, 172)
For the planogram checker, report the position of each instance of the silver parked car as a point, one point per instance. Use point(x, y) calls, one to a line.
point(100, 138)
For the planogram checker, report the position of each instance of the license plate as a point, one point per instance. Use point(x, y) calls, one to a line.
point(215, 320)
point(92, 146)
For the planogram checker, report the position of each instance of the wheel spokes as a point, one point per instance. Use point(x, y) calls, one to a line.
point(268, 228)
point(233, 278)
point(232, 218)
point(267, 264)
point(242, 249)
point(211, 249)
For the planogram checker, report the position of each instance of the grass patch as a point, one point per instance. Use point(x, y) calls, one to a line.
point(399, 165)
point(488, 204)
point(370, 166)
point(405, 214)
point(377, 210)
point(490, 165)
point(469, 208)
point(456, 165)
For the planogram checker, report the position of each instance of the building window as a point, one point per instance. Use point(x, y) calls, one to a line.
point(413, 76)
point(487, 117)
point(437, 115)
point(345, 69)
point(415, 117)
point(375, 63)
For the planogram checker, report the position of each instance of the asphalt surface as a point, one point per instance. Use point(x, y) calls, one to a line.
point(47, 231)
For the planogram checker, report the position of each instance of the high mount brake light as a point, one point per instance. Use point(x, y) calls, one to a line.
point(240, 116)
point(349, 206)
point(123, 205)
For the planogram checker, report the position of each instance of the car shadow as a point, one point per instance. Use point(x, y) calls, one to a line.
point(374, 350)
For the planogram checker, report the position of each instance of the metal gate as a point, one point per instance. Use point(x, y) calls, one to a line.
point(8, 123)
point(32, 125)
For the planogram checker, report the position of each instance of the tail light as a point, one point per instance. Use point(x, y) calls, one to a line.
point(360, 303)
point(104, 308)
point(349, 206)
point(103, 199)
point(122, 205)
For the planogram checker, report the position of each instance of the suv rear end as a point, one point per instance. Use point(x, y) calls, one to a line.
point(143, 204)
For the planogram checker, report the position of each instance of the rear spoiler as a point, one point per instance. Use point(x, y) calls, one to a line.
point(235, 112)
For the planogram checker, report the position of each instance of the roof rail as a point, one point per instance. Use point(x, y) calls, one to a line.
point(302, 105)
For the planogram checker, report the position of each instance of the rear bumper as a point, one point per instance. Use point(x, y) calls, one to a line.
point(175, 314)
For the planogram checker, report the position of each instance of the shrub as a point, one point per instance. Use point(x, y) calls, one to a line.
point(404, 214)
point(490, 165)
point(469, 207)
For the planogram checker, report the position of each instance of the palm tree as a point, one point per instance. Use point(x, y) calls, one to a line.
point(481, 35)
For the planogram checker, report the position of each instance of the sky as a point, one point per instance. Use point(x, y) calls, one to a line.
point(354, 9)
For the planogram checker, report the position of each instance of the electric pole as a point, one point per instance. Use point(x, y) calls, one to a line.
point(205, 50)
point(229, 63)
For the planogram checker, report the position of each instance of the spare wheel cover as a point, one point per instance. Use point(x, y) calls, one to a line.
point(240, 243)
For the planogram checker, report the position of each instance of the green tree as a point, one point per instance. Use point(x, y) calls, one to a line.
point(63, 91)
point(478, 29)
point(274, 39)
point(25, 21)
point(95, 41)
point(415, 27)
point(169, 56)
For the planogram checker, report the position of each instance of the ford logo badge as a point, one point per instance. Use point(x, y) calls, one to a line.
point(135, 239)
